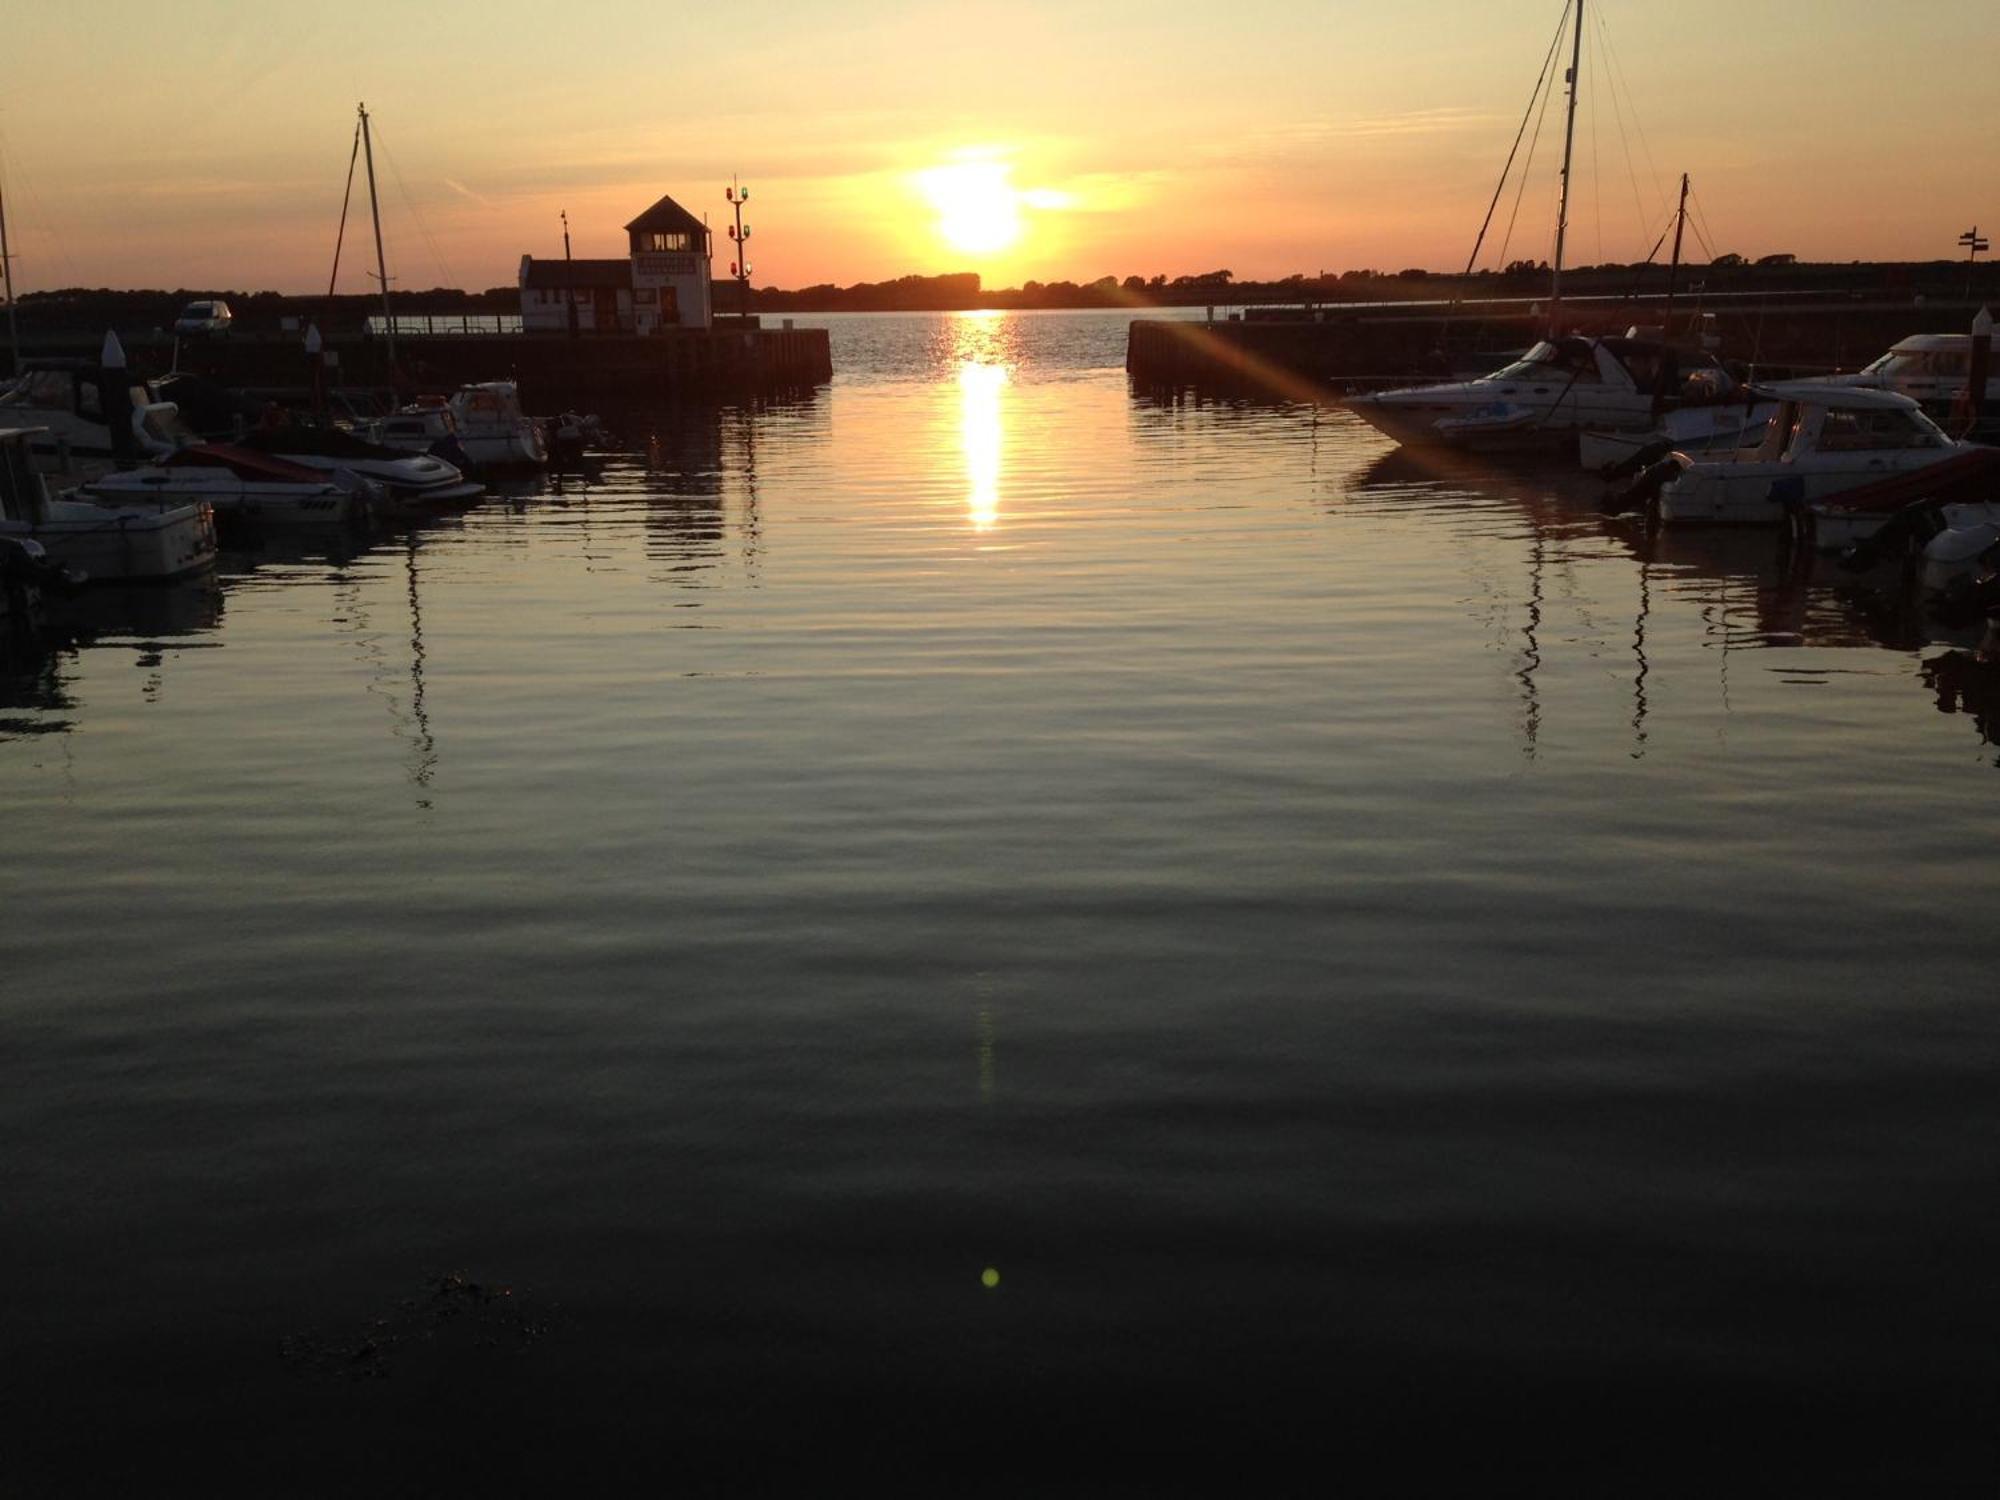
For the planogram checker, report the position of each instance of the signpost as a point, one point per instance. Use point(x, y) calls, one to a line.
point(1974, 245)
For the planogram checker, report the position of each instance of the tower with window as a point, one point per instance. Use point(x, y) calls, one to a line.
point(670, 271)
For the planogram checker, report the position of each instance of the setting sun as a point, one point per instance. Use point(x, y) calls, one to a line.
point(978, 209)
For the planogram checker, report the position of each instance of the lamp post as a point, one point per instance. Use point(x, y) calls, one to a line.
point(1973, 246)
point(739, 234)
point(314, 348)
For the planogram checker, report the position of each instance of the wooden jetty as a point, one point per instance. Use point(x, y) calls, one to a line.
point(1303, 350)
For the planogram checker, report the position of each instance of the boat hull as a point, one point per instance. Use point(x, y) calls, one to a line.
point(1759, 493)
point(126, 544)
point(1835, 529)
point(1693, 430)
point(1487, 424)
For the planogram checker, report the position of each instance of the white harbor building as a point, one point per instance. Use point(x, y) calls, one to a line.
point(663, 282)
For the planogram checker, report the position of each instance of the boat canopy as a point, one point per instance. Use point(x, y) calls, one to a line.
point(1819, 393)
point(244, 463)
point(1946, 356)
point(321, 442)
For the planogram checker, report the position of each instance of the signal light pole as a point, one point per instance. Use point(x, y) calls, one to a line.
point(739, 234)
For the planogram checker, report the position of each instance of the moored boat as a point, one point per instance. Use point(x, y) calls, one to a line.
point(1560, 388)
point(1716, 426)
point(493, 431)
point(241, 484)
point(1822, 440)
point(408, 481)
point(1916, 506)
point(1932, 369)
point(142, 537)
point(62, 402)
point(482, 422)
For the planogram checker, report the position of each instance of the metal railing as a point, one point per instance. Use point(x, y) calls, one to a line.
point(445, 325)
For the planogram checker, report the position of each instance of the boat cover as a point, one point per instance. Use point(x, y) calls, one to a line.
point(244, 463)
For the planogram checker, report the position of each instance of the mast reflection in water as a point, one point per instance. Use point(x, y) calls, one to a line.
point(1372, 1087)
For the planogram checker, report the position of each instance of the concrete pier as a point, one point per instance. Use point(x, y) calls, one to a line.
point(1297, 352)
point(554, 372)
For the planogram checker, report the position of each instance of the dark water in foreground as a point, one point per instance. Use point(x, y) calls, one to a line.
point(1403, 980)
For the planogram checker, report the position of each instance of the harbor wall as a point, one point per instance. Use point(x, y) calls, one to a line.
point(1294, 352)
point(554, 372)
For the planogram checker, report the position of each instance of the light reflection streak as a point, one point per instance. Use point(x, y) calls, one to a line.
point(981, 431)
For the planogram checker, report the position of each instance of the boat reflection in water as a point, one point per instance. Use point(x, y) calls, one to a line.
point(1967, 681)
point(1748, 590)
point(39, 670)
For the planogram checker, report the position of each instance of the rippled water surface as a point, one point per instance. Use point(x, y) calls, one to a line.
point(1375, 963)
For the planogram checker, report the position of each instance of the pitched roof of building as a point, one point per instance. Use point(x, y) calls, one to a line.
point(578, 275)
point(665, 217)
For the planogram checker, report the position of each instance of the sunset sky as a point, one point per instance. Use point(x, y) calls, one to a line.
point(206, 145)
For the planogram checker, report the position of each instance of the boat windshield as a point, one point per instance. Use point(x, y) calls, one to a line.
point(1865, 430)
point(1945, 363)
point(1565, 357)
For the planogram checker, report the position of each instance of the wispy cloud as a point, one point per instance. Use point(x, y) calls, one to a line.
point(1304, 137)
point(465, 192)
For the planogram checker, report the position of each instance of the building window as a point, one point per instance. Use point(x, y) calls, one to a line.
point(679, 241)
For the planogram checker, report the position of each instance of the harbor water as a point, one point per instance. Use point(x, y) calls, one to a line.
point(984, 925)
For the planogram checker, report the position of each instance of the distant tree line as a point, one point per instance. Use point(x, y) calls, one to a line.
point(142, 310)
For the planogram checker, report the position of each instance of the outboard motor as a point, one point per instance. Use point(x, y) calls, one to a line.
point(452, 452)
point(1906, 531)
point(1632, 463)
point(1644, 490)
point(371, 495)
point(567, 436)
point(27, 572)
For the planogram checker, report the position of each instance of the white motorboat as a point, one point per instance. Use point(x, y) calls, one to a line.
point(1965, 551)
point(410, 481)
point(484, 423)
point(26, 569)
point(1932, 369)
point(423, 428)
point(63, 400)
point(492, 429)
point(1555, 391)
point(1711, 427)
point(1914, 508)
point(161, 536)
point(242, 485)
point(1823, 439)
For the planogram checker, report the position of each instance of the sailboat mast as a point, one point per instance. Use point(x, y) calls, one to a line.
point(1674, 269)
point(7, 280)
point(375, 209)
point(1569, 146)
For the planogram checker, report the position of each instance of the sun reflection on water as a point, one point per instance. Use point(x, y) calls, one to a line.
point(980, 428)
